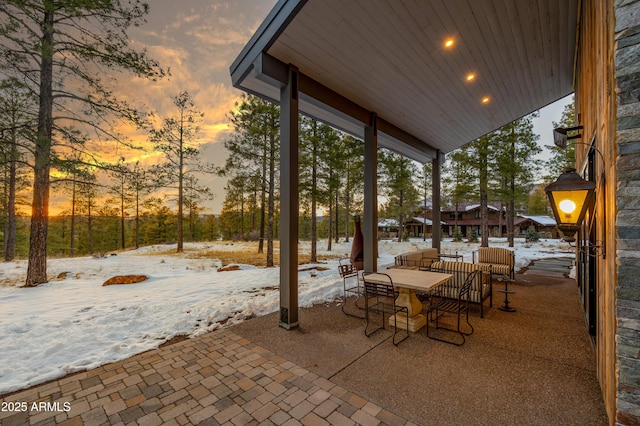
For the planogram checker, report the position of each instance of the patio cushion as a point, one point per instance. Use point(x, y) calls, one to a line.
point(495, 255)
point(497, 268)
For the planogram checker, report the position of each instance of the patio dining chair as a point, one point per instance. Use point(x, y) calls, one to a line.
point(380, 297)
point(348, 272)
point(449, 298)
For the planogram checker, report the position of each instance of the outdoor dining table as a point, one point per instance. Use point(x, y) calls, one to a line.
point(408, 281)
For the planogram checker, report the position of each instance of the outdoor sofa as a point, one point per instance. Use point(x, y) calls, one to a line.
point(481, 288)
point(501, 260)
point(416, 259)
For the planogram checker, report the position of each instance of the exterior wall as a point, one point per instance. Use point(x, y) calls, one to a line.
point(608, 106)
point(627, 164)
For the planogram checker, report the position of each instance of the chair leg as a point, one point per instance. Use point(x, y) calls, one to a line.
point(469, 324)
point(459, 331)
point(344, 304)
point(366, 328)
point(395, 328)
point(355, 303)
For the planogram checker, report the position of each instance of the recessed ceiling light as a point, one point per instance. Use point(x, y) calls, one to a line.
point(448, 43)
point(486, 100)
point(471, 76)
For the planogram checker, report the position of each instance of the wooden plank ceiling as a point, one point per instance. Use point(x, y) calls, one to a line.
point(389, 57)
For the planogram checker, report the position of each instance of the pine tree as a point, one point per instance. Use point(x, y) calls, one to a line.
point(75, 173)
point(562, 157)
point(318, 174)
point(16, 114)
point(309, 163)
point(352, 179)
point(254, 150)
point(87, 204)
point(399, 187)
point(60, 46)
point(425, 190)
point(459, 182)
point(177, 140)
point(515, 168)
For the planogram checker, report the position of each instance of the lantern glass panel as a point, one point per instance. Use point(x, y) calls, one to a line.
point(569, 205)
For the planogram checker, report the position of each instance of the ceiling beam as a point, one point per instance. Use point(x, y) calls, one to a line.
point(274, 72)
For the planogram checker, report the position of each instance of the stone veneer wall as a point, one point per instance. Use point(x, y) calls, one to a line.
point(627, 74)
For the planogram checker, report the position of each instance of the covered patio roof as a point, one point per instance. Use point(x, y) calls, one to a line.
point(419, 77)
point(389, 58)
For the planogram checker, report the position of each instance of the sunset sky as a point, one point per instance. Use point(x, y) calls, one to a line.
point(198, 40)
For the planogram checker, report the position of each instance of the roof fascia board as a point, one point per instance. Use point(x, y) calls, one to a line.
point(273, 71)
point(273, 25)
point(333, 99)
point(397, 133)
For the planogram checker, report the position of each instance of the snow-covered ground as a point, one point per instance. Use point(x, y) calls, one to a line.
point(74, 323)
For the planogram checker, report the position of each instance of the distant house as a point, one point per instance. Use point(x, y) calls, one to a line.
point(387, 228)
point(544, 225)
point(468, 219)
point(416, 226)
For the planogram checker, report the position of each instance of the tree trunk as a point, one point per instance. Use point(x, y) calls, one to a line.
point(89, 227)
point(456, 231)
point(73, 217)
point(10, 224)
point(122, 244)
point(314, 223)
point(180, 236)
point(347, 210)
point(400, 220)
point(511, 214)
point(263, 197)
point(271, 212)
point(314, 193)
point(137, 218)
point(337, 237)
point(512, 194)
point(242, 237)
point(192, 223)
point(424, 212)
point(254, 203)
point(500, 234)
point(37, 268)
point(484, 211)
point(331, 226)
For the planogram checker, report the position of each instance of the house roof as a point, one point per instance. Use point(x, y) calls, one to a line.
point(467, 206)
point(542, 220)
point(387, 223)
point(426, 221)
point(388, 58)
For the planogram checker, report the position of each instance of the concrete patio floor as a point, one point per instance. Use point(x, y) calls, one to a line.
point(532, 366)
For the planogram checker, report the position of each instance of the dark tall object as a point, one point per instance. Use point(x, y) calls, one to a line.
point(357, 246)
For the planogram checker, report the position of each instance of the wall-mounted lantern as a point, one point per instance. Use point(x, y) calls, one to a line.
point(561, 137)
point(570, 196)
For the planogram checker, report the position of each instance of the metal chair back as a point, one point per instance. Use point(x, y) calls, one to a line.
point(380, 297)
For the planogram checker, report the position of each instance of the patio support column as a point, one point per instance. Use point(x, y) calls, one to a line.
point(435, 202)
point(289, 201)
point(370, 226)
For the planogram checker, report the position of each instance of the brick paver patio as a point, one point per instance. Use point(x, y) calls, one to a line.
point(218, 378)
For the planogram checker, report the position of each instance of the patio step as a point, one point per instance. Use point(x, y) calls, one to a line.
point(553, 267)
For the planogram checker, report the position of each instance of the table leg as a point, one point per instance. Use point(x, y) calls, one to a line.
point(408, 298)
point(505, 307)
